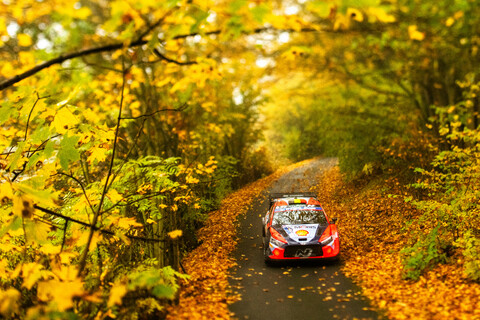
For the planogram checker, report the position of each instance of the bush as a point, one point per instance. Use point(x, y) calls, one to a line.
point(423, 255)
point(471, 253)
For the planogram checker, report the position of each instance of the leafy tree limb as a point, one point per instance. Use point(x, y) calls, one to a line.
point(91, 226)
point(116, 46)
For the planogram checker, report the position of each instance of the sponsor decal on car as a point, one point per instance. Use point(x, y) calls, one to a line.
point(303, 252)
point(302, 233)
point(305, 231)
point(296, 208)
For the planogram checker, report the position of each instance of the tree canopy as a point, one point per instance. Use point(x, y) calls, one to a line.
point(124, 122)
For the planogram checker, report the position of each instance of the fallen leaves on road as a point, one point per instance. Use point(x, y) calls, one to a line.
point(372, 229)
point(206, 295)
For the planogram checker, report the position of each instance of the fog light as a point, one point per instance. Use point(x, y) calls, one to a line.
point(276, 252)
point(328, 250)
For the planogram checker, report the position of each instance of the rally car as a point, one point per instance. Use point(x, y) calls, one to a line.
point(296, 227)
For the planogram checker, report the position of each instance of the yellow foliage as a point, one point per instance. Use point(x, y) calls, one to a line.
point(97, 154)
point(355, 14)
point(23, 206)
point(127, 223)
point(450, 21)
point(175, 234)
point(31, 274)
point(7, 69)
point(9, 301)
point(117, 292)
point(294, 53)
point(83, 238)
point(59, 294)
point(3, 26)
point(414, 34)
point(82, 13)
point(49, 248)
point(27, 59)
point(192, 180)
point(6, 191)
point(67, 257)
point(64, 272)
point(24, 40)
point(209, 276)
point(379, 14)
point(114, 196)
point(3, 268)
point(64, 120)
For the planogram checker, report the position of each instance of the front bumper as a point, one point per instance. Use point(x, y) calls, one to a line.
point(307, 251)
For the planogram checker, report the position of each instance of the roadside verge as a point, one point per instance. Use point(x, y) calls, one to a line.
point(372, 223)
point(206, 295)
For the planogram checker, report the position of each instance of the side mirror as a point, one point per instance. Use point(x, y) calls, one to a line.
point(334, 220)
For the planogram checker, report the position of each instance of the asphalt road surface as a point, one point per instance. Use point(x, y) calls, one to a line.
point(302, 290)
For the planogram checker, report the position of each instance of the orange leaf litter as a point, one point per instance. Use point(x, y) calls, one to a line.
point(371, 224)
point(206, 294)
point(371, 240)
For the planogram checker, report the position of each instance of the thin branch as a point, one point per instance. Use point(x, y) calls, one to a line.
point(81, 186)
point(361, 81)
point(29, 115)
point(119, 204)
point(115, 46)
point(39, 148)
point(83, 259)
point(101, 67)
point(91, 226)
point(137, 136)
point(64, 57)
point(155, 112)
point(161, 56)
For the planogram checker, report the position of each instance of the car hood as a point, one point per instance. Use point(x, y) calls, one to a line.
point(306, 232)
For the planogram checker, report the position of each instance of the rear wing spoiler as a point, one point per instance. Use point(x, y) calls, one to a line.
point(274, 196)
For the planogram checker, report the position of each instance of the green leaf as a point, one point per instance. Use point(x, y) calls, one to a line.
point(321, 8)
point(6, 111)
point(237, 5)
point(67, 152)
point(163, 291)
point(200, 16)
point(16, 156)
point(49, 149)
point(15, 224)
point(259, 12)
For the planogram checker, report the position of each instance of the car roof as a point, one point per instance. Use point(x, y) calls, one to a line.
point(294, 200)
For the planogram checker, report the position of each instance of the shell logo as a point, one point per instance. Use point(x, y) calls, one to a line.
point(301, 233)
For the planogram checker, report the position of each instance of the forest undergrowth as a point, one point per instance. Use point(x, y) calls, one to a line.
point(206, 294)
point(373, 226)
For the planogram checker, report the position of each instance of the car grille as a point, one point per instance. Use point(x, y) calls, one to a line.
point(303, 251)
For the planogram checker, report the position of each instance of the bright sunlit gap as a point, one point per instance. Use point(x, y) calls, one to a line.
point(291, 10)
point(263, 62)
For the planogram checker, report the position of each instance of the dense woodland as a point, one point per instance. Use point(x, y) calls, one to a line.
point(125, 122)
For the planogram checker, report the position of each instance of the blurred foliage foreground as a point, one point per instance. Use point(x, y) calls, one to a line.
point(124, 122)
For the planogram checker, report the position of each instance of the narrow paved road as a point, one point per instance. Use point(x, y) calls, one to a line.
point(303, 290)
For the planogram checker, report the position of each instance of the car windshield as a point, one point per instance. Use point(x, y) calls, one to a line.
point(291, 215)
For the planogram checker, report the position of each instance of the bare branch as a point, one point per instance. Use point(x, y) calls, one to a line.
point(81, 186)
point(83, 259)
point(161, 56)
point(155, 112)
point(62, 58)
point(91, 226)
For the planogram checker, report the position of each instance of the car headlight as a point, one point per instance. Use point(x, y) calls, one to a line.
point(327, 241)
point(275, 242)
